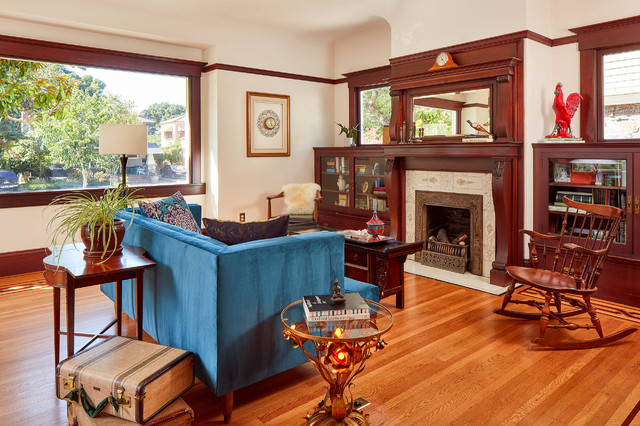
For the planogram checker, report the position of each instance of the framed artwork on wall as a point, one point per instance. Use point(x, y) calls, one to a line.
point(268, 125)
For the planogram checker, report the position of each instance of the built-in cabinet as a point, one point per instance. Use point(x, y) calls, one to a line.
point(353, 186)
point(600, 174)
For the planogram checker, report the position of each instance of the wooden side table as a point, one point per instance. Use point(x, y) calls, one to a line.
point(72, 270)
point(381, 264)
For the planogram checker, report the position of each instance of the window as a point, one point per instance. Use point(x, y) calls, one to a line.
point(375, 113)
point(370, 104)
point(50, 152)
point(610, 81)
point(42, 158)
point(621, 95)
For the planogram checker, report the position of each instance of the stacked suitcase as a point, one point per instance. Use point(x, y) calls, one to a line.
point(133, 382)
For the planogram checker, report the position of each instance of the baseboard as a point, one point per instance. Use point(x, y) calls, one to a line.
point(21, 262)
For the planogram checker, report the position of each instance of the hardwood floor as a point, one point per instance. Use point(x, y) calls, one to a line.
point(450, 360)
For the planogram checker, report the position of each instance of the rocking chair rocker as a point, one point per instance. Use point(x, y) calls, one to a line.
point(573, 268)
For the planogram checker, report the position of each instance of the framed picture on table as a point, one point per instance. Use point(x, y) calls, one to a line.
point(268, 126)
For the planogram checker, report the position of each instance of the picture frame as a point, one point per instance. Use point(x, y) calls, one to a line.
point(562, 172)
point(268, 125)
point(342, 200)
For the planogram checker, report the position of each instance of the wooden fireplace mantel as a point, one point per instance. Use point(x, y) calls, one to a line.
point(499, 159)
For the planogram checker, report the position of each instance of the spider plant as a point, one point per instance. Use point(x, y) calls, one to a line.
point(76, 210)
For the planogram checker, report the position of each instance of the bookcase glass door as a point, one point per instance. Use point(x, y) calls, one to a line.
point(335, 181)
point(369, 186)
point(595, 180)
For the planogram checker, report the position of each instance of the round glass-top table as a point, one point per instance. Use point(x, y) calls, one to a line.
point(341, 349)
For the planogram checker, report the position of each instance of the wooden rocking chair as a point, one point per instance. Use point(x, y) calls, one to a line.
point(573, 268)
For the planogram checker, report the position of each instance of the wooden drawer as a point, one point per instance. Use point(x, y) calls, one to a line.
point(355, 258)
point(356, 273)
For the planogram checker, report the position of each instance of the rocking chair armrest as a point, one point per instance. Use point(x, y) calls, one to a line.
point(583, 250)
point(535, 234)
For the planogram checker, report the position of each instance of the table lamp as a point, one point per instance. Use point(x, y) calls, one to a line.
point(123, 140)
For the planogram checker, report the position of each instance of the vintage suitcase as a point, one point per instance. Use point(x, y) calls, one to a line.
point(178, 413)
point(139, 378)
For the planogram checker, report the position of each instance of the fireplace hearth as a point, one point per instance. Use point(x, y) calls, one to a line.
point(451, 223)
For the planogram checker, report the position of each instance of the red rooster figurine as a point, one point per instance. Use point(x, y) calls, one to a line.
point(564, 112)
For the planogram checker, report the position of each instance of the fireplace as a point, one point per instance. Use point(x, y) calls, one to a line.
point(452, 225)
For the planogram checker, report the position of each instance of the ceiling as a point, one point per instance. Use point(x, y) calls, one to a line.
point(325, 18)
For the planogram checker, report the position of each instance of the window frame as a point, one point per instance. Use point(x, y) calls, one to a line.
point(595, 41)
point(364, 80)
point(69, 54)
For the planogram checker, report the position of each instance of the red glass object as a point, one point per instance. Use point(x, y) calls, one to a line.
point(564, 112)
point(339, 355)
point(375, 226)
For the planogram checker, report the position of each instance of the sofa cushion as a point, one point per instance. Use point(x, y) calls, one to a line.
point(230, 232)
point(172, 210)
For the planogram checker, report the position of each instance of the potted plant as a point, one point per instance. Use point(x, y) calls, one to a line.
point(95, 219)
point(350, 133)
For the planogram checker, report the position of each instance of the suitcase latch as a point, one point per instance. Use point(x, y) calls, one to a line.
point(121, 398)
point(70, 382)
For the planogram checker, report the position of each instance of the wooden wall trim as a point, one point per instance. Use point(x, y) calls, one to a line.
point(21, 262)
point(616, 33)
point(564, 40)
point(40, 50)
point(606, 25)
point(42, 198)
point(269, 73)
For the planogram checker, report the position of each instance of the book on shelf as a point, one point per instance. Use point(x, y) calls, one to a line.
point(319, 308)
point(331, 170)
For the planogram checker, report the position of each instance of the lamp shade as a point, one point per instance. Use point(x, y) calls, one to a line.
point(123, 139)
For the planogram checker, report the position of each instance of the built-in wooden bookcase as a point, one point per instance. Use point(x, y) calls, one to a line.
point(601, 174)
point(353, 186)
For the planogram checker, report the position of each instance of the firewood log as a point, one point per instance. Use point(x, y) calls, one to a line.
point(459, 238)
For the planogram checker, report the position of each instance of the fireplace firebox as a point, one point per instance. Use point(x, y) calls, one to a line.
point(451, 223)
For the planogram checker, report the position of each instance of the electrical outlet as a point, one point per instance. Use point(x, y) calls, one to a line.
point(241, 217)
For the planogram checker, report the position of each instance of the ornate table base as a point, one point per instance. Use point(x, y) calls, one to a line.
point(322, 415)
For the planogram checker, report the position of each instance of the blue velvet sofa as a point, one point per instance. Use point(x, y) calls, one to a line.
point(223, 302)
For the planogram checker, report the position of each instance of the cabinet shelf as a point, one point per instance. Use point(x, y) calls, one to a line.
point(574, 185)
point(336, 173)
point(368, 176)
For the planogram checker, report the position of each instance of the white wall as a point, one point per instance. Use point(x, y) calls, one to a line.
point(244, 182)
point(538, 115)
point(417, 26)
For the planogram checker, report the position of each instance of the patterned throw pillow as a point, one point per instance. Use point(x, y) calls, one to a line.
point(231, 233)
point(172, 210)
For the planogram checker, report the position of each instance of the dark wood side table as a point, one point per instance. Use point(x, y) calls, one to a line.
point(74, 271)
point(381, 264)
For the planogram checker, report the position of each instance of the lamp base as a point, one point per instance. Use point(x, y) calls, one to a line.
point(123, 166)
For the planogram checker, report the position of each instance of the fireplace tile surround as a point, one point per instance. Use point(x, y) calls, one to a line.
point(457, 183)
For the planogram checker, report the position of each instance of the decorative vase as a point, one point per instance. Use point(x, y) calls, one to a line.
point(114, 242)
point(348, 142)
point(342, 183)
point(375, 226)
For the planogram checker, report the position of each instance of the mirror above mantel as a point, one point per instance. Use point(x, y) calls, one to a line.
point(434, 106)
point(438, 115)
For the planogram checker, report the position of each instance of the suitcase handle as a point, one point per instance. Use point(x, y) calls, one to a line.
point(86, 404)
